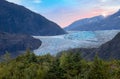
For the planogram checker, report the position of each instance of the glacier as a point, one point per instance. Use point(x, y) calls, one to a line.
point(74, 39)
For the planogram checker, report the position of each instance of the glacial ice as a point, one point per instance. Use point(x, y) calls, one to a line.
point(75, 39)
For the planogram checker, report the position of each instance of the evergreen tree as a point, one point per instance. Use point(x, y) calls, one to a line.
point(99, 70)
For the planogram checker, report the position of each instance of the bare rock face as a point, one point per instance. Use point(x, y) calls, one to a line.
point(14, 43)
point(20, 20)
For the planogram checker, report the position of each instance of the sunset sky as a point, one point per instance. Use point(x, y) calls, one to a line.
point(64, 12)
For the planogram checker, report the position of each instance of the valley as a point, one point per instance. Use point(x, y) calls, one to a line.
point(59, 39)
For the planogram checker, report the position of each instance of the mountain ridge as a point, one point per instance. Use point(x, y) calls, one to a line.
point(17, 19)
point(83, 22)
point(111, 22)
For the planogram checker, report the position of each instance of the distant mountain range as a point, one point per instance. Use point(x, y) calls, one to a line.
point(84, 23)
point(20, 20)
point(15, 43)
point(96, 23)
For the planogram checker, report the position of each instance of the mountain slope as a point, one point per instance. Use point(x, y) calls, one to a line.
point(17, 19)
point(110, 49)
point(14, 43)
point(84, 24)
point(108, 23)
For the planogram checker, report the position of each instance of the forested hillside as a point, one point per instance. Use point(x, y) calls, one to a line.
point(67, 66)
point(17, 43)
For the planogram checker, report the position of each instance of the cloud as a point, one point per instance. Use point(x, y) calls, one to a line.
point(15, 1)
point(20, 1)
point(103, 0)
point(37, 1)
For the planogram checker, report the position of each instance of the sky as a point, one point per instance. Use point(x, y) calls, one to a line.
point(65, 12)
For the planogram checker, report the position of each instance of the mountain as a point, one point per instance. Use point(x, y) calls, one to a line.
point(104, 23)
point(20, 20)
point(15, 43)
point(110, 49)
point(84, 24)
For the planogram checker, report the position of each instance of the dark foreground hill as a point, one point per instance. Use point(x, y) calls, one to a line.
point(18, 19)
point(97, 23)
point(14, 43)
point(109, 50)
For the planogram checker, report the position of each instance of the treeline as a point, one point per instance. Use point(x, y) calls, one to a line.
point(67, 66)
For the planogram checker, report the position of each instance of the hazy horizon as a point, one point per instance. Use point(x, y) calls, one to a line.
point(65, 12)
